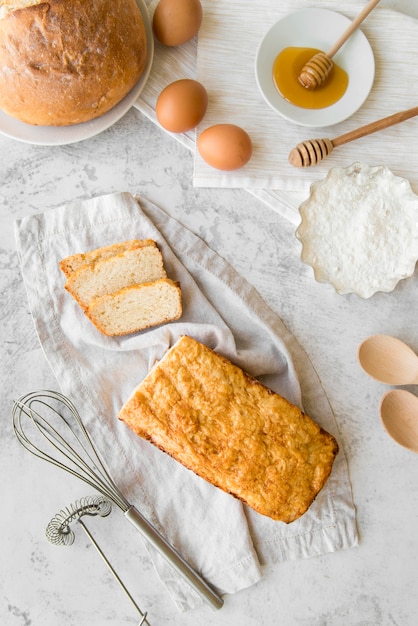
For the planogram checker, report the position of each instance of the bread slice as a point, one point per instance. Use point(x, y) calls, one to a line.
point(228, 428)
point(131, 267)
point(72, 263)
point(135, 308)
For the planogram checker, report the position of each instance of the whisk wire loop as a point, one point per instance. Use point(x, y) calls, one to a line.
point(97, 476)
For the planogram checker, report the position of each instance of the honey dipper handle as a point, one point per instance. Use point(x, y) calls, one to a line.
point(353, 26)
point(368, 129)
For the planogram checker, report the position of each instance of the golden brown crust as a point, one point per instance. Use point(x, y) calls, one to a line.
point(64, 62)
point(232, 431)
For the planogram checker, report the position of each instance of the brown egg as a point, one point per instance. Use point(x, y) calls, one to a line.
point(225, 146)
point(181, 105)
point(176, 21)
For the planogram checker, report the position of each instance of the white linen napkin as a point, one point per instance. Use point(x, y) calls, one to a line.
point(226, 49)
point(221, 538)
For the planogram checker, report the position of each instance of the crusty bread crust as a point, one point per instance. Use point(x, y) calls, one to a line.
point(228, 428)
point(64, 62)
point(8, 6)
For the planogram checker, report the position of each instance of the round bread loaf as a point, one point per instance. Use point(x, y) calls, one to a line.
point(64, 62)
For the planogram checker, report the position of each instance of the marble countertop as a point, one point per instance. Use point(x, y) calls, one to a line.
point(43, 585)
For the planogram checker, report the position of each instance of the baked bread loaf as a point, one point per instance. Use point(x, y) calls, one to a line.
point(137, 307)
point(64, 62)
point(228, 428)
point(131, 267)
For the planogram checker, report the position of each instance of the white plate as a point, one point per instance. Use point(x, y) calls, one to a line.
point(316, 28)
point(62, 135)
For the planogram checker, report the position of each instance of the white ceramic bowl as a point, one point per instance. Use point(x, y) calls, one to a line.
point(316, 28)
point(359, 229)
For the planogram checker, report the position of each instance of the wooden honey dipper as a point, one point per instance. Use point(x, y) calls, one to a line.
point(315, 72)
point(312, 151)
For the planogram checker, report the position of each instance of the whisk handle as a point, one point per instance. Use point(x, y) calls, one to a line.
point(173, 557)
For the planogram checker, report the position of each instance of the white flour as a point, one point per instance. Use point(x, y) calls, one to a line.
point(359, 229)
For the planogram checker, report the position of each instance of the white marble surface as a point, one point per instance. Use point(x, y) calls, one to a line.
point(42, 585)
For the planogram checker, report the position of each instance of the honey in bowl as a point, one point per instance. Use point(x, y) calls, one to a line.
point(286, 69)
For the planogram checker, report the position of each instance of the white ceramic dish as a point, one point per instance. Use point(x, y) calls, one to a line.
point(359, 229)
point(62, 135)
point(316, 28)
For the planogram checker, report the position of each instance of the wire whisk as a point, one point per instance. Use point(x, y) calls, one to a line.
point(53, 419)
point(59, 533)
